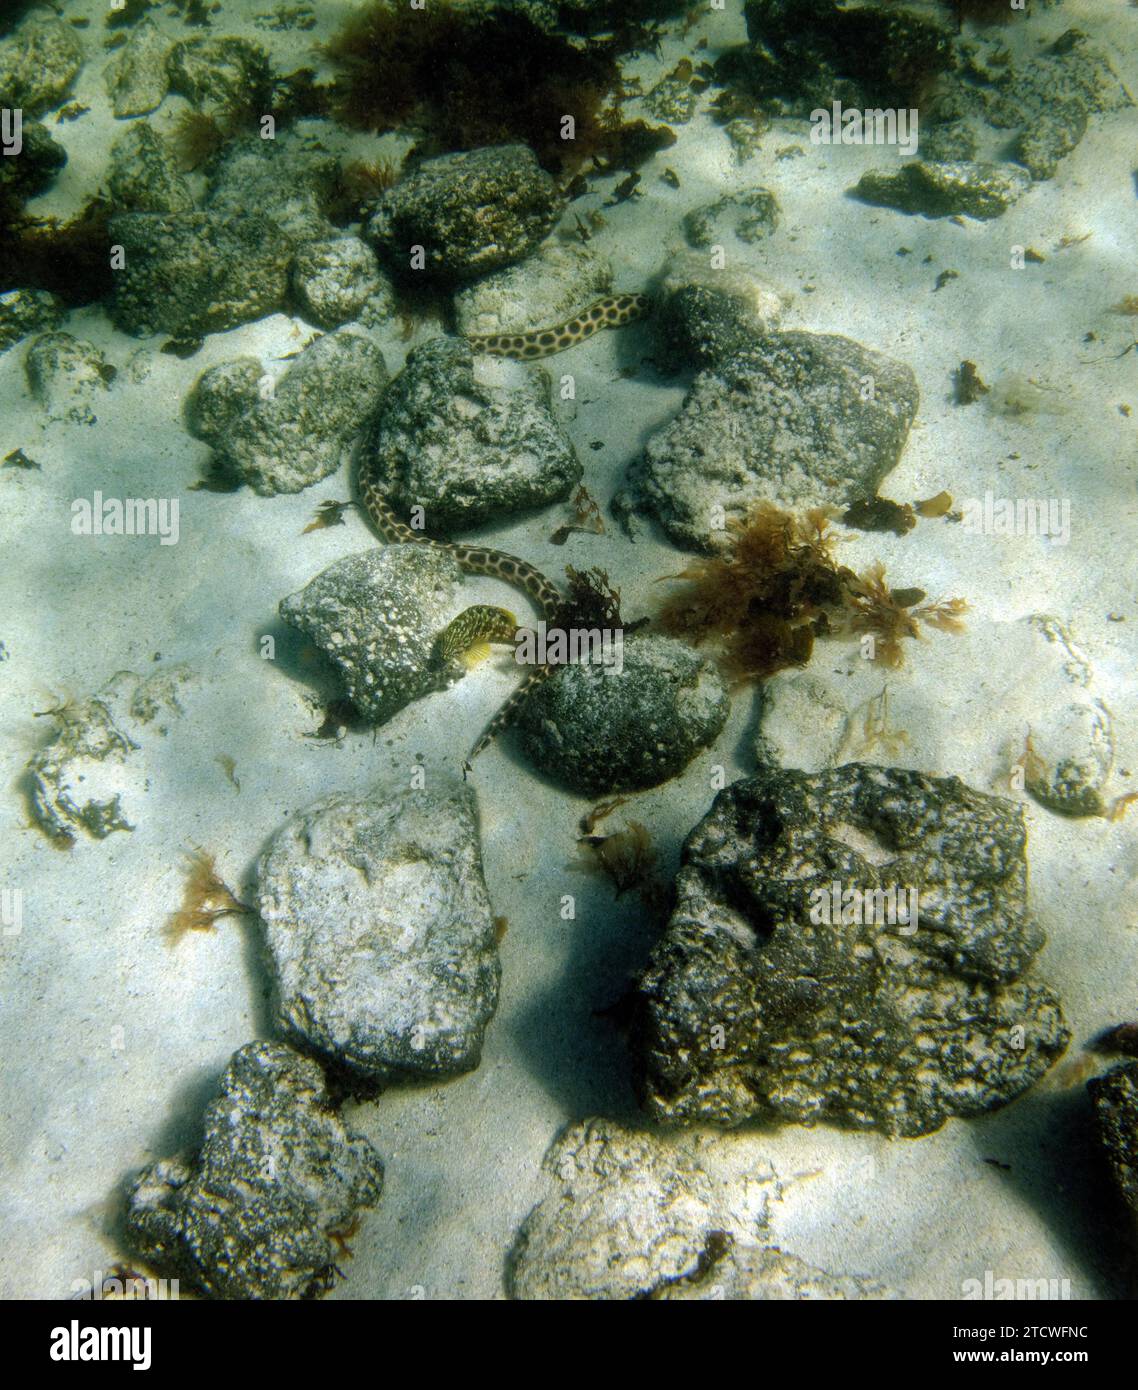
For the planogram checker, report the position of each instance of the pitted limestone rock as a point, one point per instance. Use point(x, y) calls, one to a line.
point(334, 277)
point(255, 1212)
point(1115, 1100)
point(797, 419)
point(376, 616)
point(197, 272)
point(380, 929)
point(643, 1216)
point(67, 376)
point(556, 282)
point(39, 63)
point(136, 76)
point(599, 731)
point(945, 189)
point(284, 435)
point(469, 441)
point(761, 1000)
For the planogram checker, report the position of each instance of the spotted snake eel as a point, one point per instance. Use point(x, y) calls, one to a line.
point(482, 622)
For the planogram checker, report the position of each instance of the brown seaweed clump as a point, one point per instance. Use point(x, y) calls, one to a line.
point(205, 899)
point(71, 259)
point(764, 599)
point(468, 79)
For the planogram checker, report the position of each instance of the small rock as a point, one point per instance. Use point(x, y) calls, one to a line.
point(144, 176)
point(672, 99)
point(254, 1214)
point(945, 189)
point(86, 778)
point(790, 421)
point(1042, 144)
point(26, 311)
point(136, 76)
point(746, 135)
point(33, 169)
point(597, 732)
point(1115, 1100)
point(197, 273)
point(752, 216)
point(759, 1001)
point(221, 75)
point(640, 1216)
point(470, 213)
point(547, 288)
point(287, 179)
point(699, 325)
point(288, 437)
point(334, 278)
point(39, 63)
point(469, 440)
point(67, 375)
point(376, 616)
point(380, 929)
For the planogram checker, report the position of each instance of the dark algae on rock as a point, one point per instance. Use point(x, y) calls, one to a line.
point(900, 1001)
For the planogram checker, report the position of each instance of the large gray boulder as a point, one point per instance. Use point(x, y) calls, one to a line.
point(380, 929)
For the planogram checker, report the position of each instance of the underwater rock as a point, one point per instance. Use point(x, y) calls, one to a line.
point(376, 616)
point(1071, 756)
point(39, 64)
point(143, 174)
point(945, 189)
point(26, 311)
point(197, 273)
point(467, 213)
point(700, 325)
point(1115, 1100)
point(789, 421)
point(221, 76)
point(34, 168)
point(380, 929)
point(469, 440)
point(804, 54)
point(1041, 145)
point(1070, 752)
point(86, 779)
point(758, 1004)
point(596, 731)
point(254, 1214)
point(67, 375)
point(334, 278)
point(285, 179)
point(136, 76)
point(949, 142)
point(639, 1216)
point(1048, 99)
point(753, 216)
point(288, 437)
point(545, 289)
